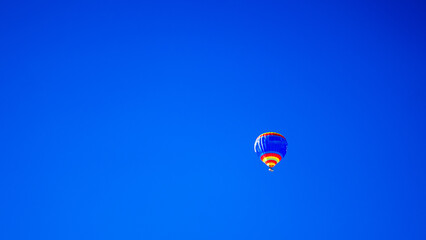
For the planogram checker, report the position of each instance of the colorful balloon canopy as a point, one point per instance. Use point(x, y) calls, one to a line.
point(270, 147)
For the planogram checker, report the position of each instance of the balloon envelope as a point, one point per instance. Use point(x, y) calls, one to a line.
point(270, 147)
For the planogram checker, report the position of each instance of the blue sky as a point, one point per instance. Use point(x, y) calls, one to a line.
point(136, 120)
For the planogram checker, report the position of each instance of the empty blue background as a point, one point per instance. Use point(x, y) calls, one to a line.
point(136, 120)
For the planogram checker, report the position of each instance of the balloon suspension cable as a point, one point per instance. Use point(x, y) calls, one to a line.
point(271, 170)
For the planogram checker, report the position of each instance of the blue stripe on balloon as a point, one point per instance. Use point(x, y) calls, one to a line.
point(270, 143)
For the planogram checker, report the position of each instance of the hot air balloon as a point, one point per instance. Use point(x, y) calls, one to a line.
point(270, 147)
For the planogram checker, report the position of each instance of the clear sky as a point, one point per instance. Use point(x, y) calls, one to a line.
point(137, 119)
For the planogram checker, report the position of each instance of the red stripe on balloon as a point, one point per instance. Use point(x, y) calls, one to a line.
point(271, 133)
point(270, 155)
